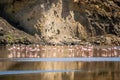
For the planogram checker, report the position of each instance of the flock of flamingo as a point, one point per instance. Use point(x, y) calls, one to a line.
point(40, 51)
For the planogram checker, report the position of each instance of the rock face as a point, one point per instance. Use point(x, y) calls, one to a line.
point(10, 35)
point(63, 21)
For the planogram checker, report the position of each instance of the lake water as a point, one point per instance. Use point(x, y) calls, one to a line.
point(38, 62)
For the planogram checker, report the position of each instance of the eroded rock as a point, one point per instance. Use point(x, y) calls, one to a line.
point(10, 35)
point(64, 21)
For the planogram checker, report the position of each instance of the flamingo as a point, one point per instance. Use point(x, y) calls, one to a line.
point(10, 55)
point(115, 51)
point(90, 50)
point(109, 51)
point(84, 51)
point(104, 52)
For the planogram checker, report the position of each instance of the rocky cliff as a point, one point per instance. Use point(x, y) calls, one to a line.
point(11, 35)
point(66, 21)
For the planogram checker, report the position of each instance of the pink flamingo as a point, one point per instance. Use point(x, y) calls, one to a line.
point(104, 54)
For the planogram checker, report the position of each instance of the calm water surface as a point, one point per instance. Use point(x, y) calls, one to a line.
point(36, 62)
